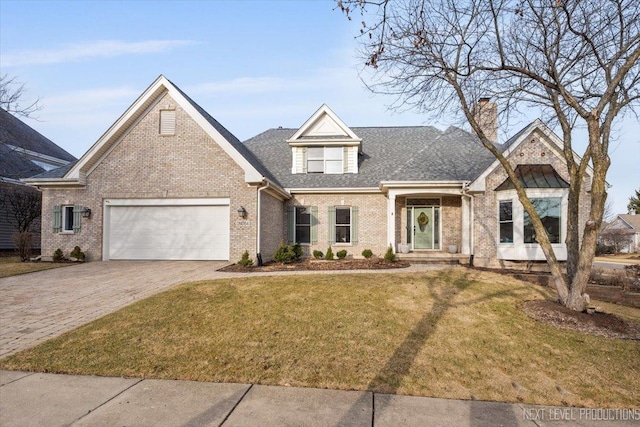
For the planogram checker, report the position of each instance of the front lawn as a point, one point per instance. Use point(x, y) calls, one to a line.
point(11, 266)
point(456, 333)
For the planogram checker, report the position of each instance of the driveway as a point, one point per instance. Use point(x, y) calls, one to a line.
point(37, 306)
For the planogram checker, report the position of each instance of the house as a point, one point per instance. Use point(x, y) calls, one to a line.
point(167, 181)
point(23, 153)
point(623, 233)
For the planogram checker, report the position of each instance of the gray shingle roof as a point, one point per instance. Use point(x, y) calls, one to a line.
point(388, 154)
point(55, 173)
point(15, 132)
point(14, 163)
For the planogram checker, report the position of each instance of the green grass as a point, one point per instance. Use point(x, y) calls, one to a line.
point(455, 334)
point(11, 266)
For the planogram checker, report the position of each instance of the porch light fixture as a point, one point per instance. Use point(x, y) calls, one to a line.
point(242, 212)
point(86, 212)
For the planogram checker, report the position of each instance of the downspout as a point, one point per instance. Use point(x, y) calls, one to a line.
point(471, 223)
point(259, 225)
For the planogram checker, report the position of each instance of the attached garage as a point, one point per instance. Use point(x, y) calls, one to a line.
point(166, 229)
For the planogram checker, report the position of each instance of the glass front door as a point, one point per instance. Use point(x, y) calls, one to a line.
point(426, 227)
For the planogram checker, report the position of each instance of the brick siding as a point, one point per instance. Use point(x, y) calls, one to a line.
point(144, 164)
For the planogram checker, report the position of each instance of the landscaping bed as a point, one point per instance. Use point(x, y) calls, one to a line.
point(305, 264)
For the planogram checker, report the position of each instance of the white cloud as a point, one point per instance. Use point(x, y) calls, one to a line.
point(93, 49)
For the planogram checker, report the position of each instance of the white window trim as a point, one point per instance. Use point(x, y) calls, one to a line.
point(518, 250)
point(335, 226)
point(325, 160)
point(63, 218)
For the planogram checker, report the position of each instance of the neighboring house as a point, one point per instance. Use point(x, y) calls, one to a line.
point(167, 181)
point(623, 233)
point(23, 153)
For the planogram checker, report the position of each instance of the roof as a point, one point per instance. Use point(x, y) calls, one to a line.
point(632, 220)
point(535, 176)
point(409, 153)
point(20, 144)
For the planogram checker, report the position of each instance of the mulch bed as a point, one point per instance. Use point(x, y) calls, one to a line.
point(601, 324)
point(321, 265)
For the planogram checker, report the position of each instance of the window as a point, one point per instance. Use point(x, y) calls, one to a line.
point(302, 224)
point(67, 218)
point(343, 225)
point(549, 211)
point(324, 160)
point(506, 222)
point(167, 122)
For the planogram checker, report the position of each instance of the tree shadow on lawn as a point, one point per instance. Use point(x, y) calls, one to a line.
point(389, 378)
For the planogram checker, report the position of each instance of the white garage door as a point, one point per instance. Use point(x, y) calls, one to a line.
point(167, 232)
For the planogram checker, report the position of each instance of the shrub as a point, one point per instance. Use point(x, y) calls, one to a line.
point(342, 254)
point(24, 242)
point(77, 253)
point(284, 254)
point(58, 255)
point(367, 253)
point(318, 254)
point(390, 256)
point(297, 250)
point(603, 249)
point(245, 261)
point(329, 254)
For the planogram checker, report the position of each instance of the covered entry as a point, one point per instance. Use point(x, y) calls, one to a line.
point(166, 229)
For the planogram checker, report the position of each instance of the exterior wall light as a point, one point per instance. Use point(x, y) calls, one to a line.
point(242, 212)
point(86, 212)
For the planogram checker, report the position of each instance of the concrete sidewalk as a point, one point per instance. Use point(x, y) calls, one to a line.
point(33, 399)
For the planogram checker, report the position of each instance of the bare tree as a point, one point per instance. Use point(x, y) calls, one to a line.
point(12, 95)
point(20, 205)
point(618, 238)
point(574, 60)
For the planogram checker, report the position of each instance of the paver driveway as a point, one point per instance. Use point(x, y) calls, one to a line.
point(37, 306)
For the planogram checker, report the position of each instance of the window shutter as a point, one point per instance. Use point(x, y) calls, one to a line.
point(314, 225)
point(345, 160)
point(77, 218)
point(291, 223)
point(354, 225)
point(304, 159)
point(57, 219)
point(331, 225)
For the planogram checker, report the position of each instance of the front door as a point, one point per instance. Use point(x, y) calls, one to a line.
point(426, 227)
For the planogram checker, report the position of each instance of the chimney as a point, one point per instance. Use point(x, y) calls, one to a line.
point(486, 114)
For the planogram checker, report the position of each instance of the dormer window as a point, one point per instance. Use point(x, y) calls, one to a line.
point(324, 160)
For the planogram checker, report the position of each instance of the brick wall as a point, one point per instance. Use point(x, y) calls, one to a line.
point(272, 229)
point(145, 164)
point(372, 221)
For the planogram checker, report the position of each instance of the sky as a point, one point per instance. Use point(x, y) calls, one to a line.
point(253, 65)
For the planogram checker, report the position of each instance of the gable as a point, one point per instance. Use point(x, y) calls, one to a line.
point(136, 112)
point(324, 127)
point(536, 144)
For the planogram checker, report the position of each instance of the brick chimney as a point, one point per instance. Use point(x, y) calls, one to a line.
point(486, 114)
